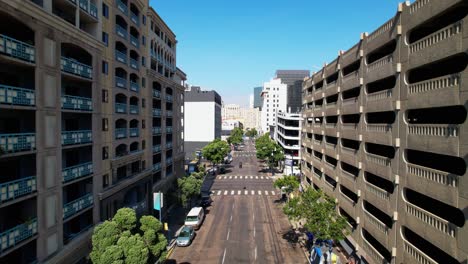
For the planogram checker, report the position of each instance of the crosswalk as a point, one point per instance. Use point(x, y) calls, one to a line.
point(243, 192)
point(242, 177)
point(244, 155)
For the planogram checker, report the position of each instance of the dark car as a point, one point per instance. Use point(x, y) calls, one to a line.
point(222, 170)
point(205, 201)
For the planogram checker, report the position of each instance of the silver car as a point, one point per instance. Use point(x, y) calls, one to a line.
point(185, 236)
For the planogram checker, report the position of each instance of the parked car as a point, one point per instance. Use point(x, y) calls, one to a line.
point(205, 201)
point(195, 217)
point(185, 236)
point(222, 170)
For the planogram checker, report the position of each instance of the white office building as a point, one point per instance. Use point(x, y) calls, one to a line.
point(288, 135)
point(275, 95)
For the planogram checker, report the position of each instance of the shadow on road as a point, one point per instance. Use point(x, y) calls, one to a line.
point(173, 261)
point(291, 236)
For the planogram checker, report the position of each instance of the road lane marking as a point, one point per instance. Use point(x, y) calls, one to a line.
point(255, 252)
point(253, 192)
point(246, 192)
point(219, 192)
point(230, 177)
point(224, 256)
point(240, 177)
point(259, 192)
point(251, 177)
point(232, 192)
point(238, 192)
point(235, 177)
point(273, 193)
point(256, 177)
point(225, 192)
point(230, 220)
point(261, 177)
point(266, 192)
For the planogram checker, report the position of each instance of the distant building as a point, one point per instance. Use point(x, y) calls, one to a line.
point(288, 135)
point(202, 120)
point(230, 111)
point(228, 126)
point(274, 95)
point(251, 101)
point(249, 117)
point(294, 79)
point(258, 100)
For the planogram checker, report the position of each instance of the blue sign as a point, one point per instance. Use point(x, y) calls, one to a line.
point(158, 201)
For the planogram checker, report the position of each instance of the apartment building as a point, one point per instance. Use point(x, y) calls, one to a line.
point(294, 79)
point(274, 96)
point(288, 135)
point(385, 134)
point(77, 130)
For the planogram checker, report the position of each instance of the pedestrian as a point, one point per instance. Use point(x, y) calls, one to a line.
point(351, 260)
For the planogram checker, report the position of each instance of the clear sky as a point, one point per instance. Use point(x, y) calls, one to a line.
point(232, 46)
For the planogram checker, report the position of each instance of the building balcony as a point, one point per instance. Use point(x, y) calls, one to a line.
point(134, 110)
point(134, 131)
point(157, 166)
point(379, 165)
point(120, 108)
point(17, 188)
point(121, 57)
point(17, 49)
point(168, 145)
point(134, 18)
point(377, 228)
point(77, 103)
point(439, 91)
point(120, 82)
point(122, 32)
point(351, 80)
point(157, 112)
point(168, 129)
point(78, 171)
point(424, 137)
point(381, 68)
point(77, 137)
point(74, 67)
point(169, 98)
point(122, 7)
point(157, 130)
point(416, 254)
point(156, 148)
point(156, 94)
point(13, 236)
point(350, 105)
point(134, 86)
point(169, 161)
point(77, 205)
point(11, 143)
point(383, 34)
point(374, 253)
point(134, 64)
point(17, 96)
point(169, 113)
point(350, 130)
point(379, 133)
point(89, 8)
point(134, 41)
point(120, 133)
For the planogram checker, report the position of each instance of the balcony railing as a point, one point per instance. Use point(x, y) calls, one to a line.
point(437, 176)
point(374, 253)
point(134, 109)
point(122, 7)
point(156, 94)
point(120, 82)
point(169, 161)
point(169, 98)
point(434, 130)
point(168, 145)
point(121, 57)
point(169, 113)
point(381, 193)
point(77, 171)
point(17, 49)
point(134, 18)
point(134, 64)
point(15, 235)
point(134, 41)
point(134, 132)
point(169, 129)
point(11, 143)
point(120, 108)
point(76, 137)
point(77, 205)
point(431, 219)
point(16, 96)
point(134, 86)
point(376, 222)
point(382, 161)
point(157, 130)
point(88, 7)
point(157, 148)
point(420, 256)
point(436, 37)
point(17, 188)
point(122, 32)
point(444, 82)
point(75, 67)
point(120, 133)
point(157, 166)
point(77, 103)
point(156, 112)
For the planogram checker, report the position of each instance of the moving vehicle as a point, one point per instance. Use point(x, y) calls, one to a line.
point(195, 217)
point(185, 236)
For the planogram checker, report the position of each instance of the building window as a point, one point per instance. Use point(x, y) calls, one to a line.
point(143, 40)
point(143, 124)
point(105, 38)
point(105, 96)
point(143, 103)
point(105, 153)
point(144, 20)
point(105, 67)
point(143, 144)
point(105, 124)
point(143, 62)
point(143, 82)
point(105, 180)
point(105, 10)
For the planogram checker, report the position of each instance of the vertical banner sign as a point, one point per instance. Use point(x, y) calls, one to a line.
point(157, 201)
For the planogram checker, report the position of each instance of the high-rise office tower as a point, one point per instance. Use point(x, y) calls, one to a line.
point(293, 79)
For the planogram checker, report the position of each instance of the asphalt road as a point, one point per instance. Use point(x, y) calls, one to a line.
point(245, 223)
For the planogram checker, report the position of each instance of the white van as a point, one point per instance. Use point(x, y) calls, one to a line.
point(195, 217)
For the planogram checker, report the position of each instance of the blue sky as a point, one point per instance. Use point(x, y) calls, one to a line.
point(232, 46)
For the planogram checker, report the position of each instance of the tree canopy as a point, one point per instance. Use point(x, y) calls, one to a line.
point(251, 132)
point(216, 150)
point(189, 187)
point(320, 214)
point(119, 241)
point(269, 150)
point(290, 183)
point(236, 136)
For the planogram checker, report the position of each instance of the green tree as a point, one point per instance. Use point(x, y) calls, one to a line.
point(251, 133)
point(119, 241)
point(216, 151)
point(269, 150)
point(290, 183)
point(236, 136)
point(189, 187)
point(319, 213)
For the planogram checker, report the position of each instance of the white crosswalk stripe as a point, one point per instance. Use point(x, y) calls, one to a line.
point(253, 192)
point(232, 192)
point(266, 192)
point(219, 192)
point(238, 192)
point(259, 192)
point(230, 177)
point(256, 177)
point(225, 192)
point(273, 193)
point(246, 192)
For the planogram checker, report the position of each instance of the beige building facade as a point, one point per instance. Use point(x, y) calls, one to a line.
point(249, 117)
point(385, 134)
point(87, 124)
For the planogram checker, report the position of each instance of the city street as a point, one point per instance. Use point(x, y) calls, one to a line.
point(245, 223)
